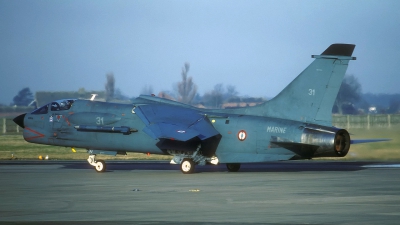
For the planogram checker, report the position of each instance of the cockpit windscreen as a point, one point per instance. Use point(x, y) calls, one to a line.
point(58, 105)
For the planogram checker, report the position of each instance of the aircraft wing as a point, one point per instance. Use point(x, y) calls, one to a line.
point(174, 122)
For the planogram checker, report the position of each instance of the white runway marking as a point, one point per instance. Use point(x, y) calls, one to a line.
point(383, 166)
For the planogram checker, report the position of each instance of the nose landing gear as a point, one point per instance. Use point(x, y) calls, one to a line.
point(99, 165)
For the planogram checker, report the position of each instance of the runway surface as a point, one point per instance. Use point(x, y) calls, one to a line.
point(294, 192)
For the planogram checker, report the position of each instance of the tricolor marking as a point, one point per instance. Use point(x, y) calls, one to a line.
point(242, 135)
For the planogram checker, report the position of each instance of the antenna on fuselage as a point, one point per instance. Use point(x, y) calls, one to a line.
point(93, 97)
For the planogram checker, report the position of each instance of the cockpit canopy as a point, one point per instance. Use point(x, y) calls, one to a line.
point(59, 105)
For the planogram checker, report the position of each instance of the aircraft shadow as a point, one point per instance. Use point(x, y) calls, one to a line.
point(292, 166)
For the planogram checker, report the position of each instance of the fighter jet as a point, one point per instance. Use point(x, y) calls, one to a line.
point(296, 124)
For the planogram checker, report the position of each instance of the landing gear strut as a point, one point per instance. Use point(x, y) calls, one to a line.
point(99, 165)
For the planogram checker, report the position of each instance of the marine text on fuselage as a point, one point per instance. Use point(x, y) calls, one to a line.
point(280, 130)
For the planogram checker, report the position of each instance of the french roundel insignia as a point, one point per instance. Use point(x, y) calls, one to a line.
point(242, 135)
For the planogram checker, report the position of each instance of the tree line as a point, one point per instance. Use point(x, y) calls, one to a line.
point(350, 99)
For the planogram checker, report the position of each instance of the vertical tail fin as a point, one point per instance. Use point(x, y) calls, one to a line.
point(311, 95)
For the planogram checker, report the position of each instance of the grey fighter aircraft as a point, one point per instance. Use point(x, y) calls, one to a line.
point(297, 123)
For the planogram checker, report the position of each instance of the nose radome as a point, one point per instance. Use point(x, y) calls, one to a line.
point(19, 120)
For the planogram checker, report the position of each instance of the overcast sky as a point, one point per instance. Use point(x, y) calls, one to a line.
point(256, 46)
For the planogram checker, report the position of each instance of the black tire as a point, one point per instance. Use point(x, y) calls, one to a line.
point(233, 167)
point(187, 166)
point(100, 166)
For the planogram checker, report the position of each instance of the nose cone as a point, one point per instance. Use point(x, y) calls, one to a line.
point(20, 120)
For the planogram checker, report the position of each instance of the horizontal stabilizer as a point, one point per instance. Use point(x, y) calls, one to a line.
point(360, 141)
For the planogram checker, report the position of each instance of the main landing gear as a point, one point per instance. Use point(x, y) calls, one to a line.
point(188, 161)
point(187, 166)
point(99, 165)
point(233, 167)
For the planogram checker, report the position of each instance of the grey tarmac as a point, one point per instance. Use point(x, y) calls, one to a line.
point(131, 192)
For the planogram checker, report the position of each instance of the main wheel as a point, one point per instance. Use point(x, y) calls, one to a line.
point(187, 166)
point(100, 166)
point(233, 167)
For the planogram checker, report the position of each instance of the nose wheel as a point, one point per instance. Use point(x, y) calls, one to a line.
point(99, 165)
